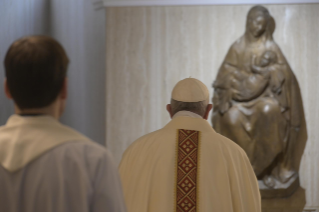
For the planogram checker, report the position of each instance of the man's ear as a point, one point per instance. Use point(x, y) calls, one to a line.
point(64, 90)
point(208, 109)
point(169, 110)
point(6, 89)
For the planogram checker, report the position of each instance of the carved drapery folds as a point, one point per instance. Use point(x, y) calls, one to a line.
point(257, 104)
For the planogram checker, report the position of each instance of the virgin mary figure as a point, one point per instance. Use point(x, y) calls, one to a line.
point(257, 102)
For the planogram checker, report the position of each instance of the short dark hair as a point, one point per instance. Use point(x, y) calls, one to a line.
point(35, 68)
point(195, 107)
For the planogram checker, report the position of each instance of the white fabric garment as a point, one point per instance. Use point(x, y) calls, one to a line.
point(48, 167)
point(226, 180)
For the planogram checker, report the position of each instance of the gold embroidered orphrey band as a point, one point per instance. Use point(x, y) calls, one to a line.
point(187, 167)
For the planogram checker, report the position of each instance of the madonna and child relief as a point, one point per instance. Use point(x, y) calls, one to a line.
point(258, 105)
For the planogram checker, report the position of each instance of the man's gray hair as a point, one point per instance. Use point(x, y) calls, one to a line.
point(195, 107)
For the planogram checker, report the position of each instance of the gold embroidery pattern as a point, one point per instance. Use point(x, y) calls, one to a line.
point(187, 157)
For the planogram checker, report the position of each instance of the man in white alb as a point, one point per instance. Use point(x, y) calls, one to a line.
point(186, 166)
point(46, 166)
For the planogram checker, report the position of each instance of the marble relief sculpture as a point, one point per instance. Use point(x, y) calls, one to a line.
point(257, 104)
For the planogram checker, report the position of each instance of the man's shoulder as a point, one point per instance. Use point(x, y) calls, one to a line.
point(147, 139)
point(89, 150)
point(84, 145)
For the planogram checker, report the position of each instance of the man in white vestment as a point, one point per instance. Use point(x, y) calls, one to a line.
point(186, 166)
point(46, 166)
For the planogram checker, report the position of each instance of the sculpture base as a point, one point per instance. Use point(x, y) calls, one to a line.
point(294, 203)
point(280, 190)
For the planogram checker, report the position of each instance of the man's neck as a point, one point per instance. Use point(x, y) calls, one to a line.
point(50, 111)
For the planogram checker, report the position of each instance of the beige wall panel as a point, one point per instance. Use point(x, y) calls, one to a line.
point(149, 49)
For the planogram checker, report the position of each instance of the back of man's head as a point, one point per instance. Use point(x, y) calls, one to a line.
point(195, 107)
point(190, 95)
point(35, 69)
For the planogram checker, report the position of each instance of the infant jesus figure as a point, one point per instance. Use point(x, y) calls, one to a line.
point(268, 67)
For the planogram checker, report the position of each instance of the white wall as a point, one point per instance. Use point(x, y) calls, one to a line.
point(149, 49)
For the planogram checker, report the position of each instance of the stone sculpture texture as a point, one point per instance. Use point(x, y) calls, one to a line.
point(258, 104)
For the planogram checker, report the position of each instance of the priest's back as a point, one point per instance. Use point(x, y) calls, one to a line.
point(186, 166)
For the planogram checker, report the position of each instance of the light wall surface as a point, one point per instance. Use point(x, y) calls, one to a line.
point(19, 18)
point(119, 3)
point(149, 49)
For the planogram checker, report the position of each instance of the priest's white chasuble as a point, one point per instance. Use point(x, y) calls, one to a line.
point(49, 167)
point(188, 167)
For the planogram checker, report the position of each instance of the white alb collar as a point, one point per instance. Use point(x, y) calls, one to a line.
point(23, 139)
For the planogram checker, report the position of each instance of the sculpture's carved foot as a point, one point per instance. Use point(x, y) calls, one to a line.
point(269, 181)
point(271, 187)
